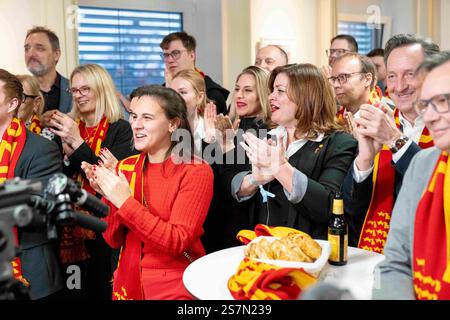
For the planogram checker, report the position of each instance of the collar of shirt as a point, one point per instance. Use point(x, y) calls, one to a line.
point(297, 144)
point(412, 131)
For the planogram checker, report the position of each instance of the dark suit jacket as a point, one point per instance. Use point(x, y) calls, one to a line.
point(65, 99)
point(218, 94)
point(357, 196)
point(40, 159)
point(325, 164)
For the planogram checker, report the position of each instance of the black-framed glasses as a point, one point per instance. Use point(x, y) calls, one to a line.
point(343, 77)
point(439, 102)
point(336, 52)
point(26, 96)
point(175, 54)
point(84, 90)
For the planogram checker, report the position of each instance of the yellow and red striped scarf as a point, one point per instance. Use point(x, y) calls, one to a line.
point(35, 125)
point(261, 281)
point(72, 248)
point(127, 278)
point(374, 98)
point(246, 236)
point(431, 252)
point(377, 220)
point(13, 141)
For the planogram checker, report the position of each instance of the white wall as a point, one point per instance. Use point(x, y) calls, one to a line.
point(16, 17)
point(445, 25)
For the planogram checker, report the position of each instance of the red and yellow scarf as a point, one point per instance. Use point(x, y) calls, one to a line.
point(11, 147)
point(261, 281)
point(374, 98)
point(246, 236)
point(127, 278)
point(377, 221)
point(35, 125)
point(72, 248)
point(431, 251)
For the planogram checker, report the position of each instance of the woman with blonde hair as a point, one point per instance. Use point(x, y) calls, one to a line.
point(94, 123)
point(298, 170)
point(30, 111)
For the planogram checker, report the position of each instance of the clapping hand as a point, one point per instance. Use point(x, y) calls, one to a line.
point(67, 129)
point(108, 159)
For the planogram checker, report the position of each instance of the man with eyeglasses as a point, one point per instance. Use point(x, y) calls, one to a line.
point(339, 45)
point(42, 53)
point(179, 54)
point(387, 141)
point(417, 264)
point(353, 79)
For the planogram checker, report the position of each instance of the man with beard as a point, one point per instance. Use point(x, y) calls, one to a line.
point(42, 53)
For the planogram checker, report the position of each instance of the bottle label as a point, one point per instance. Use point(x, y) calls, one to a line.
point(339, 245)
point(338, 207)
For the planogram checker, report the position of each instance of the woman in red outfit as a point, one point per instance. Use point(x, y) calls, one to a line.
point(158, 203)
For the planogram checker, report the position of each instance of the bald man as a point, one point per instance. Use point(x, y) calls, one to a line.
point(270, 57)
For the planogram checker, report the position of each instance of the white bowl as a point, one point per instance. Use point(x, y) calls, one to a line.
point(313, 268)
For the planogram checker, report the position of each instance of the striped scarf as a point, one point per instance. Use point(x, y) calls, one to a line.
point(11, 147)
point(431, 251)
point(261, 281)
point(127, 278)
point(377, 220)
point(35, 125)
point(72, 247)
point(246, 236)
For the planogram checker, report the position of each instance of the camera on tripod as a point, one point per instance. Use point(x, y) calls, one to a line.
point(33, 204)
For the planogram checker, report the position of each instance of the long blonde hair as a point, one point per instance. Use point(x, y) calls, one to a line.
point(33, 84)
point(102, 85)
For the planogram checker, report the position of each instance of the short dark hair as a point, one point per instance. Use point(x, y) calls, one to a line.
point(188, 41)
point(13, 87)
point(435, 60)
point(52, 37)
point(366, 64)
point(377, 52)
point(402, 40)
point(350, 39)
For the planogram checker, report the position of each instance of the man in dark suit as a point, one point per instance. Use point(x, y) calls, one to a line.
point(42, 53)
point(386, 142)
point(32, 157)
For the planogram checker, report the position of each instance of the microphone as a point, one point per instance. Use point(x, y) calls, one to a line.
point(326, 291)
point(60, 183)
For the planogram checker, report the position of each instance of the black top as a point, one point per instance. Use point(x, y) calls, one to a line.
point(325, 165)
point(52, 97)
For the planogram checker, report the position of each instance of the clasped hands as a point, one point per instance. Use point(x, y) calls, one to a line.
point(266, 156)
point(107, 182)
point(66, 128)
point(219, 128)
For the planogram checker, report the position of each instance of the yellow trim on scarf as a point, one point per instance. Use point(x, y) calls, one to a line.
point(446, 277)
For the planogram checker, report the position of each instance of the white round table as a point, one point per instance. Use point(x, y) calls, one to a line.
point(206, 278)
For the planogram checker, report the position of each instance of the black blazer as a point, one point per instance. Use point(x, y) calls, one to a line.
point(119, 140)
point(325, 164)
point(40, 159)
point(357, 196)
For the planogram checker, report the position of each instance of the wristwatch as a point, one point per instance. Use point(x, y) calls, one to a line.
point(396, 145)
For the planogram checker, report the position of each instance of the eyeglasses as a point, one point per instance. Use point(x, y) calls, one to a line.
point(336, 52)
point(175, 54)
point(84, 90)
point(440, 104)
point(342, 78)
point(26, 96)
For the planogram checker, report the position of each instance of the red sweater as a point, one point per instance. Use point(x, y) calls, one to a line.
point(178, 198)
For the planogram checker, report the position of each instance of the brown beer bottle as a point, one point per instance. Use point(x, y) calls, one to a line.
point(338, 232)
